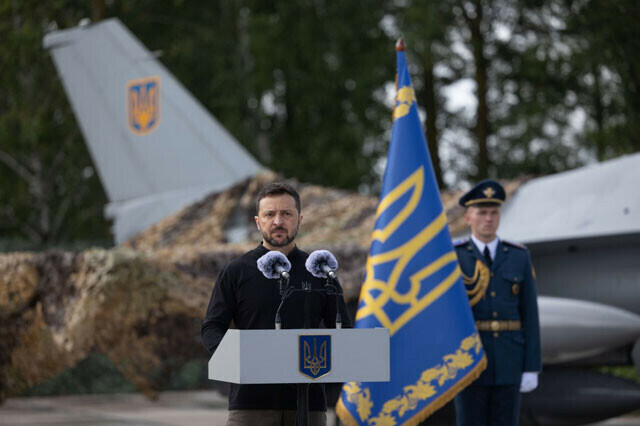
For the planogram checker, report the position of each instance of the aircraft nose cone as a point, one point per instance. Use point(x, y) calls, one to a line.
point(572, 329)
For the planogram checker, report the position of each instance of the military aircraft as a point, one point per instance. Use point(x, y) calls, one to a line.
point(582, 226)
point(583, 230)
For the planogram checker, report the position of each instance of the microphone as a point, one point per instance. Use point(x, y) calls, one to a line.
point(274, 265)
point(322, 264)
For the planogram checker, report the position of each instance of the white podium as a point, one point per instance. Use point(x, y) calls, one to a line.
point(274, 356)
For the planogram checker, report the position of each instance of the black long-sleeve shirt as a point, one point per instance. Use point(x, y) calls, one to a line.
point(242, 294)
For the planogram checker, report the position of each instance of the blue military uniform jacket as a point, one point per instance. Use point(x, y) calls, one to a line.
point(511, 295)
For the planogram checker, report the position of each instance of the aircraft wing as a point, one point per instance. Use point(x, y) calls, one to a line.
point(593, 201)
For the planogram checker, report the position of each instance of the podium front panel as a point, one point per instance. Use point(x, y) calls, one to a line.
point(272, 356)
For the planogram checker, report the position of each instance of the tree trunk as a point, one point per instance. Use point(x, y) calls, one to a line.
point(481, 129)
point(97, 10)
point(599, 115)
point(428, 97)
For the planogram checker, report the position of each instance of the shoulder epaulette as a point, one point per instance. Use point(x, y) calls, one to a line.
point(461, 241)
point(514, 244)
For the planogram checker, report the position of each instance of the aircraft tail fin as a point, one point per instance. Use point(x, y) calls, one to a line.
point(155, 147)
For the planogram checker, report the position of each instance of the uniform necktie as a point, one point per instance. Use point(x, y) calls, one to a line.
point(487, 256)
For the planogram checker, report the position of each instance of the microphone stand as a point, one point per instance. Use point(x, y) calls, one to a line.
point(306, 288)
point(302, 389)
point(332, 290)
point(285, 291)
point(302, 414)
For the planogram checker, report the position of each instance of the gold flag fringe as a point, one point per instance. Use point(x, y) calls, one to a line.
point(449, 394)
point(348, 419)
point(344, 414)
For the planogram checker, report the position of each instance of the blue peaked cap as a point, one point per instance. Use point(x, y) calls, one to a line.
point(487, 191)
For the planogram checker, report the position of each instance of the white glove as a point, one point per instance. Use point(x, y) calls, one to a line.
point(529, 381)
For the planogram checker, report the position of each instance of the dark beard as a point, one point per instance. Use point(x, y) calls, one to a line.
point(284, 242)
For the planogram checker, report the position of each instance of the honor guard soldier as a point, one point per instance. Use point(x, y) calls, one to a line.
point(500, 282)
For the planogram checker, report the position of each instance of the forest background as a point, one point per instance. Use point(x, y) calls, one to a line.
point(506, 88)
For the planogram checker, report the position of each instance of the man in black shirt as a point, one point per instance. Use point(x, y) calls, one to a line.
point(242, 294)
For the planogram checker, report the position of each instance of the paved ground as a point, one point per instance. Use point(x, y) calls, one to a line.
point(193, 408)
point(171, 408)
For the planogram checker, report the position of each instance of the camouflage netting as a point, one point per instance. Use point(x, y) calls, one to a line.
point(141, 304)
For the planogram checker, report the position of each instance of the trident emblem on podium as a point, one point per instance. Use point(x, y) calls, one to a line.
point(314, 355)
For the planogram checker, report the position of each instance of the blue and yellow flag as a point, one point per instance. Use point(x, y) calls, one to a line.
point(413, 287)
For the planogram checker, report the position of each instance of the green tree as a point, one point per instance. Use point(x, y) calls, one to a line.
point(604, 38)
point(48, 189)
point(534, 133)
point(303, 85)
point(523, 80)
point(297, 83)
point(425, 25)
point(318, 69)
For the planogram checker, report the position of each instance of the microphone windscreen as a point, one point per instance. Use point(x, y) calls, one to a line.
point(317, 259)
point(269, 262)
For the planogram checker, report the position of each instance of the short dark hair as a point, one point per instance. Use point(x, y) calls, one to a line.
point(278, 188)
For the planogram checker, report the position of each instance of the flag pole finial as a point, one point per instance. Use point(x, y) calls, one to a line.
point(400, 45)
